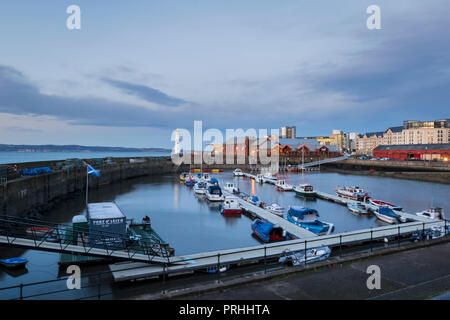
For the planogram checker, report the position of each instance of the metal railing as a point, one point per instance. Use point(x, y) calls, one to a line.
point(265, 257)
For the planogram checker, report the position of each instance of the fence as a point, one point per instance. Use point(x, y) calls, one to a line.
point(97, 285)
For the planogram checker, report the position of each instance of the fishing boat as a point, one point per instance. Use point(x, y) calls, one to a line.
point(200, 187)
point(214, 193)
point(259, 178)
point(189, 181)
point(268, 232)
point(305, 190)
point(269, 178)
point(283, 186)
point(231, 206)
point(238, 172)
point(432, 213)
point(357, 207)
point(275, 209)
point(13, 263)
point(387, 215)
point(183, 176)
point(312, 255)
point(307, 219)
point(352, 193)
point(379, 203)
point(229, 186)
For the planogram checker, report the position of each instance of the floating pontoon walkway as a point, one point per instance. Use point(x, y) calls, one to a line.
point(317, 163)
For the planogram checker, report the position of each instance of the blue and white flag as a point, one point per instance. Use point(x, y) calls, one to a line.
point(93, 171)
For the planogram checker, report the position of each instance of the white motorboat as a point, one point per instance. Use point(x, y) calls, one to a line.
point(231, 206)
point(200, 187)
point(352, 193)
point(214, 193)
point(357, 207)
point(312, 255)
point(229, 186)
point(269, 178)
point(275, 209)
point(283, 186)
point(387, 215)
point(379, 203)
point(432, 213)
point(238, 172)
point(259, 178)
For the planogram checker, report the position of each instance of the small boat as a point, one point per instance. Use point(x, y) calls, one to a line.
point(268, 232)
point(259, 178)
point(231, 206)
point(238, 172)
point(183, 176)
point(190, 181)
point(357, 207)
point(222, 268)
point(205, 176)
point(13, 262)
point(269, 178)
point(39, 231)
point(387, 215)
point(432, 213)
point(213, 182)
point(214, 193)
point(229, 186)
point(275, 209)
point(305, 190)
point(307, 219)
point(253, 200)
point(283, 186)
point(352, 193)
point(379, 203)
point(200, 187)
point(312, 255)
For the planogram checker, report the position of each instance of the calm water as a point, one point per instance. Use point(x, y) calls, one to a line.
point(193, 225)
point(17, 157)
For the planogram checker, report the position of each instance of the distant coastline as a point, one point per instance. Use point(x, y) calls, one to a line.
point(75, 148)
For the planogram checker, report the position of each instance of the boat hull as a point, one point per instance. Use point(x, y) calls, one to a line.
point(231, 212)
point(305, 194)
point(385, 218)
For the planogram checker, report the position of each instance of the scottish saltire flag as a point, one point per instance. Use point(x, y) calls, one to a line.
point(93, 171)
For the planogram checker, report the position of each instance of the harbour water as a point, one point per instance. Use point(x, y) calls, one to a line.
point(192, 225)
point(19, 157)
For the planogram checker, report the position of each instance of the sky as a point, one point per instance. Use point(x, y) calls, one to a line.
point(137, 70)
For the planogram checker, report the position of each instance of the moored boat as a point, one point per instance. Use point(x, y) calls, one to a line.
point(269, 178)
point(253, 200)
point(229, 186)
point(357, 207)
point(305, 190)
point(231, 207)
point(268, 232)
point(13, 262)
point(238, 172)
point(312, 255)
point(379, 204)
point(352, 193)
point(432, 213)
point(39, 231)
point(307, 219)
point(259, 178)
point(387, 215)
point(275, 209)
point(214, 193)
point(200, 187)
point(190, 181)
point(183, 176)
point(283, 186)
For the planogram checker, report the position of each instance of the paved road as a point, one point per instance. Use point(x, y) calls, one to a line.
point(416, 274)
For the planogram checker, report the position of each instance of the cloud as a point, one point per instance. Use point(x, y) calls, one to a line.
point(146, 93)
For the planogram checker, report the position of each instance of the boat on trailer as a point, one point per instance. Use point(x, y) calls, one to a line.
point(305, 190)
point(231, 207)
point(307, 218)
point(312, 255)
point(379, 203)
point(357, 207)
point(387, 215)
point(352, 193)
point(432, 213)
point(268, 232)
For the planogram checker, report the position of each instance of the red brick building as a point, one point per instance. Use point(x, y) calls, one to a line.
point(440, 151)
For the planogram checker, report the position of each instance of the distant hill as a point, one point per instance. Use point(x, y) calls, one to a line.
point(74, 148)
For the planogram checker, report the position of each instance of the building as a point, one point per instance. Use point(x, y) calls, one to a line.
point(287, 132)
point(437, 152)
point(341, 140)
point(411, 133)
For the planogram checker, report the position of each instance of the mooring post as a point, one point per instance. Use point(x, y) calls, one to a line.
point(265, 254)
point(218, 267)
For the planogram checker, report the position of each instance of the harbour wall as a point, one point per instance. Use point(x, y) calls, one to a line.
point(23, 195)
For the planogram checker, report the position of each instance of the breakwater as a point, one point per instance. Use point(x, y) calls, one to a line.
point(23, 196)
